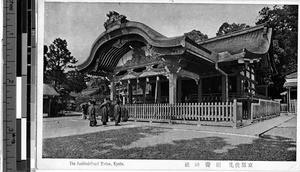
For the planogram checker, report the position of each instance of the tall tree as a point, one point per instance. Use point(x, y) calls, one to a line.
point(76, 81)
point(58, 60)
point(196, 35)
point(228, 28)
point(284, 22)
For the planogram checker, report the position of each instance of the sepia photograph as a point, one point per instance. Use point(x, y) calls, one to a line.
point(190, 86)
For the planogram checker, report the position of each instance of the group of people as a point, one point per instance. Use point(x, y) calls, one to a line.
point(90, 111)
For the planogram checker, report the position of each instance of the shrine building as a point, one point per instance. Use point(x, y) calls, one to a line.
point(146, 67)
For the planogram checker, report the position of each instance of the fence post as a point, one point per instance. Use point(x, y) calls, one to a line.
point(215, 111)
point(234, 113)
point(200, 113)
point(251, 112)
point(135, 111)
point(169, 107)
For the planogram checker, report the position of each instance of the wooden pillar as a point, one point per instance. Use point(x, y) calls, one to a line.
point(266, 91)
point(179, 90)
point(289, 99)
point(200, 90)
point(238, 85)
point(136, 90)
point(224, 88)
point(129, 89)
point(157, 90)
point(112, 90)
point(144, 90)
point(172, 88)
point(124, 100)
point(49, 105)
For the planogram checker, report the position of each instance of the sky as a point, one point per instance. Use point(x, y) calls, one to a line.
point(80, 23)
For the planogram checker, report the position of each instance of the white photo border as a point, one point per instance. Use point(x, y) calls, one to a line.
point(43, 164)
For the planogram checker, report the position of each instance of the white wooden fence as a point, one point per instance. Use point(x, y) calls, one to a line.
point(221, 113)
point(199, 113)
point(283, 107)
point(293, 106)
point(264, 109)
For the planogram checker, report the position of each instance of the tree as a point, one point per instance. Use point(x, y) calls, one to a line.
point(196, 35)
point(58, 59)
point(226, 28)
point(284, 22)
point(101, 83)
point(75, 81)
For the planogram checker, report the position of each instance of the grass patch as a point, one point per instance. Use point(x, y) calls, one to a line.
point(108, 145)
point(93, 145)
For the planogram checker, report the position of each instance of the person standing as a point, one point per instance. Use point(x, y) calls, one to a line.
point(104, 111)
point(92, 113)
point(117, 112)
point(84, 107)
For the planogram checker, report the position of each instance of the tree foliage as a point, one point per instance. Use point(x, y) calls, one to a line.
point(284, 22)
point(57, 60)
point(226, 28)
point(196, 35)
point(101, 83)
point(75, 81)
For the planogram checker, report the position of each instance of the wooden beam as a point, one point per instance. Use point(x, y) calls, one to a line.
point(112, 90)
point(179, 89)
point(144, 84)
point(157, 90)
point(289, 98)
point(238, 85)
point(172, 88)
point(225, 88)
point(184, 73)
point(129, 89)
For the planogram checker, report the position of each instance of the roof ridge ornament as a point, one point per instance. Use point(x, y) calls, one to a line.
point(114, 19)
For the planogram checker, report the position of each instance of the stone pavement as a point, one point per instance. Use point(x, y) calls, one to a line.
point(285, 130)
point(73, 125)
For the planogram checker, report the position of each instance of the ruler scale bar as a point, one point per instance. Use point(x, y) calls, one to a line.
point(18, 84)
point(31, 59)
point(10, 50)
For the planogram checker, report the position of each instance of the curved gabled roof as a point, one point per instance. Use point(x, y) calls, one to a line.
point(113, 43)
point(292, 76)
point(255, 40)
point(121, 36)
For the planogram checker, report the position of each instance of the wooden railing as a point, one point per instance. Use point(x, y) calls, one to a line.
point(213, 97)
point(225, 114)
point(185, 112)
point(264, 109)
point(293, 106)
point(283, 107)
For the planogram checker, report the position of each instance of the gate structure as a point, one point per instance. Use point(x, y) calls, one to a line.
point(180, 78)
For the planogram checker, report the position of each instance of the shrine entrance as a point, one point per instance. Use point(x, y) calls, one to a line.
point(213, 80)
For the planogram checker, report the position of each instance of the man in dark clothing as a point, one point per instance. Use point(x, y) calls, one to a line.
point(92, 113)
point(84, 107)
point(104, 111)
point(117, 112)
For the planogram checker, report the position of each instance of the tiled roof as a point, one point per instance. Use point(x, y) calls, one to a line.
point(292, 76)
point(89, 91)
point(290, 84)
point(49, 90)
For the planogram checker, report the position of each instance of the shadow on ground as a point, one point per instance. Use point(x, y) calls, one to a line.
point(110, 145)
